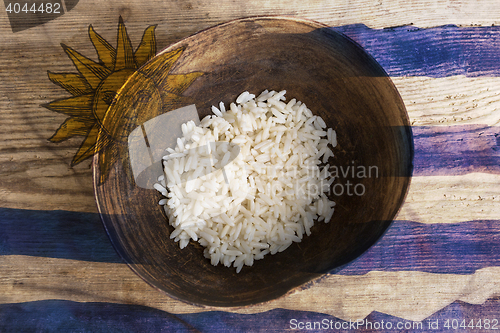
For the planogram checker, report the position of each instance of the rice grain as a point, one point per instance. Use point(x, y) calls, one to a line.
point(264, 199)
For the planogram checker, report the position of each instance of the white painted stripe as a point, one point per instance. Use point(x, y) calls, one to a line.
point(452, 199)
point(454, 100)
point(405, 294)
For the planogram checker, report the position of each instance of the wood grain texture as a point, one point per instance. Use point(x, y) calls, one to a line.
point(35, 174)
point(28, 158)
point(55, 234)
point(43, 167)
point(451, 248)
point(346, 297)
point(191, 16)
point(456, 150)
point(453, 100)
point(446, 50)
point(100, 317)
point(450, 199)
point(458, 248)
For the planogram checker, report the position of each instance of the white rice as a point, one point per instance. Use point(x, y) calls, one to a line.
point(267, 197)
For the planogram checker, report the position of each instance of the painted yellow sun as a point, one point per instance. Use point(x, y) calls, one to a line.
point(94, 91)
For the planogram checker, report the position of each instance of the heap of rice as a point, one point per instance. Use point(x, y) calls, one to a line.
point(267, 197)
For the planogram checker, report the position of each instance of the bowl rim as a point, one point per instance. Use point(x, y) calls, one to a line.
point(320, 276)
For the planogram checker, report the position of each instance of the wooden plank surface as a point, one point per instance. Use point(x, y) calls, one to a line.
point(47, 208)
point(344, 297)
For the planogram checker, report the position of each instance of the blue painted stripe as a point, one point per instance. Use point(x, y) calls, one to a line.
point(68, 316)
point(434, 52)
point(456, 150)
point(460, 248)
point(55, 234)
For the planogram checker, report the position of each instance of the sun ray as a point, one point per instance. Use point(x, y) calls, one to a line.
point(78, 106)
point(93, 72)
point(75, 84)
point(90, 145)
point(147, 48)
point(72, 127)
point(178, 83)
point(105, 52)
point(124, 50)
point(158, 69)
point(95, 90)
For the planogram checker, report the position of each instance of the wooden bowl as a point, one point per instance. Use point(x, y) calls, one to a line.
point(337, 80)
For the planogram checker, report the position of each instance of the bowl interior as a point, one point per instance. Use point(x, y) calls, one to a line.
point(337, 80)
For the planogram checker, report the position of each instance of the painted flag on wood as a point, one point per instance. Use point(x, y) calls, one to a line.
point(439, 261)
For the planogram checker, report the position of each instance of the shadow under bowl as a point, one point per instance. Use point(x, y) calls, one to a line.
point(324, 69)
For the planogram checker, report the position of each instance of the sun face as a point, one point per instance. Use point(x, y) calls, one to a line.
point(95, 88)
